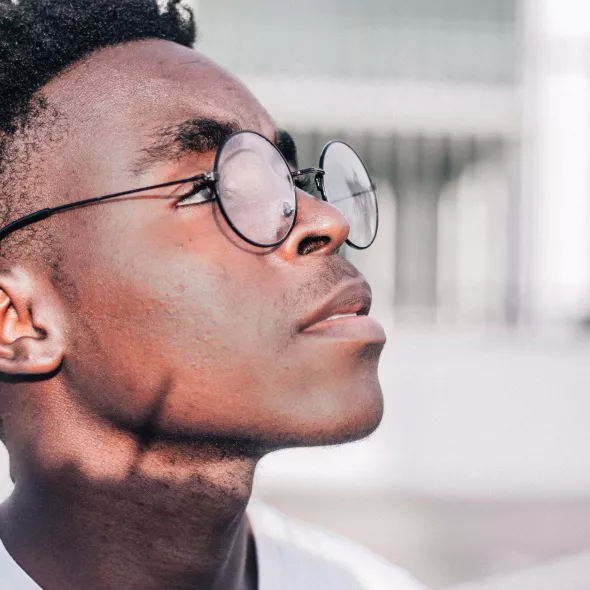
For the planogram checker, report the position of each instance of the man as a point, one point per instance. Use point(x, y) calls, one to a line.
point(157, 341)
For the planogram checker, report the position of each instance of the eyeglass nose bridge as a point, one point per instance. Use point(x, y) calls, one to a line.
point(319, 178)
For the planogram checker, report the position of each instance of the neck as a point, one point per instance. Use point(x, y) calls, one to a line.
point(175, 520)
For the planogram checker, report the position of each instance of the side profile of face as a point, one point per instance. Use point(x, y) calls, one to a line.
point(170, 321)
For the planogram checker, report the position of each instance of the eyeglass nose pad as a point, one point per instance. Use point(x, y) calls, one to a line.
point(319, 182)
point(288, 209)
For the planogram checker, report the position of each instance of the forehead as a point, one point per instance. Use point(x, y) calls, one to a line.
point(119, 96)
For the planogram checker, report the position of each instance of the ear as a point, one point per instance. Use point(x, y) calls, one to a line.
point(31, 339)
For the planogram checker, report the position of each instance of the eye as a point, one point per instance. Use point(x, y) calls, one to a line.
point(304, 183)
point(197, 193)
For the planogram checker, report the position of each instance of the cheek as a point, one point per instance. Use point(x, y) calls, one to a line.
point(185, 318)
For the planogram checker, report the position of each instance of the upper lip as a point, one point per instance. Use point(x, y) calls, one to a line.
point(352, 298)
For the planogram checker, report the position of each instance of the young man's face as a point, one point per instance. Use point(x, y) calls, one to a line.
point(171, 320)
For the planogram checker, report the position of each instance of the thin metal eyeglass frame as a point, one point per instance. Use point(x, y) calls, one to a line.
point(372, 188)
point(208, 179)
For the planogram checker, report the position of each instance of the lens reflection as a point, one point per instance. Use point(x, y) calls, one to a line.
point(349, 188)
point(256, 189)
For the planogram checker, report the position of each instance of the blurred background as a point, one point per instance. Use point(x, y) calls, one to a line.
point(474, 118)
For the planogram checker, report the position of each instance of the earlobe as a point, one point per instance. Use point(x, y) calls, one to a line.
point(31, 341)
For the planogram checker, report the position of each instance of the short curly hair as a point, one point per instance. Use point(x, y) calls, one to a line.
point(39, 39)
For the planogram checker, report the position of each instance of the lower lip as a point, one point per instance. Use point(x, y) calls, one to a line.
point(360, 328)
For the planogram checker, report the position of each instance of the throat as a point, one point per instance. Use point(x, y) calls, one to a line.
point(176, 520)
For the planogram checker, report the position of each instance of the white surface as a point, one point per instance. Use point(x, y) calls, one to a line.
point(567, 573)
point(386, 106)
point(563, 18)
point(5, 483)
point(297, 556)
point(555, 149)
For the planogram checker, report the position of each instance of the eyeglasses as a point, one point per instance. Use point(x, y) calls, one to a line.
point(256, 191)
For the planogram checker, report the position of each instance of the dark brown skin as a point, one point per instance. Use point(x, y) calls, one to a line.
point(169, 359)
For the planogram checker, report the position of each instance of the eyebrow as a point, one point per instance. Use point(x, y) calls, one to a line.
point(287, 146)
point(195, 136)
point(199, 136)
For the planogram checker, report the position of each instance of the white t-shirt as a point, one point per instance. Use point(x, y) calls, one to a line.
point(291, 556)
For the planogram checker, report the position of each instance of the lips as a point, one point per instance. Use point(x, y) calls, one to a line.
point(344, 315)
point(352, 300)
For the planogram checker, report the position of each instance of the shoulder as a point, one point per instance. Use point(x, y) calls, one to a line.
point(294, 555)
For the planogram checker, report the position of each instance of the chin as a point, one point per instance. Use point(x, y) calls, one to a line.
point(336, 419)
point(354, 407)
point(347, 405)
point(355, 424)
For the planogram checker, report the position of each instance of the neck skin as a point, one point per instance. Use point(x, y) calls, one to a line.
point(119, 514)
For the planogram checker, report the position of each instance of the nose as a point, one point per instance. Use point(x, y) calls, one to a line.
point(320, 229)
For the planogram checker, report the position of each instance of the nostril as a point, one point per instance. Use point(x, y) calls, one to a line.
point(312, 244)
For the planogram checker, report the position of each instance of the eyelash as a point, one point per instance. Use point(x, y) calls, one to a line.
point(304, 184)
point(197, 188)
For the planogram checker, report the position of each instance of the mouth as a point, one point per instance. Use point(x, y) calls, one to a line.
point(339, 316)
point(345, 315)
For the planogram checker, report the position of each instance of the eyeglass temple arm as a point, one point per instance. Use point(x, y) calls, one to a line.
point(48, 212)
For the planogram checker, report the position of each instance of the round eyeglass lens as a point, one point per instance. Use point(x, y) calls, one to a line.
point(256, 190)
point(349, 188)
